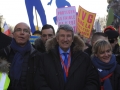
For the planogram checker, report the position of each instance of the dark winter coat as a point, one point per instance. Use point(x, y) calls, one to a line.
point(88, 50)
point(39, 45)
point(116, 52)
point(115, 78)
point(29, 68)
point(82, 74)
point(4, 40)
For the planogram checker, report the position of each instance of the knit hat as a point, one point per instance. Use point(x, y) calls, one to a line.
point(111, 32)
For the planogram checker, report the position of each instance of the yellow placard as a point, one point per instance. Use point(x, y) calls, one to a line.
point(85, 21)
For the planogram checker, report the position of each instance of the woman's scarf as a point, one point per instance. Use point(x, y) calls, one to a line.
point(105, 69)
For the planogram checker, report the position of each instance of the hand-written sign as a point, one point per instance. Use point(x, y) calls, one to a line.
point(85, 21)
point(67, 15)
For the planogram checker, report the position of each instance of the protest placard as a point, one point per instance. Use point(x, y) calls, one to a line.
point(85, 22)
point(67, 15)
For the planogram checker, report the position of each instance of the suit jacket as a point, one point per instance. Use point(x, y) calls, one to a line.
point(82, 74)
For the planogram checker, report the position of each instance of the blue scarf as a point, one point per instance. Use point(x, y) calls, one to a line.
point(16, 66)
point(105, 69)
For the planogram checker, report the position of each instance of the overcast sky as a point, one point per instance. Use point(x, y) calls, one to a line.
point(14, 11)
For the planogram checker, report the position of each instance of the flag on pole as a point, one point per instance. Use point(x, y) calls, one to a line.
point(6, 29)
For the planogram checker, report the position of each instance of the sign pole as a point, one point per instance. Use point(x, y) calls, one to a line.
point(36, 20)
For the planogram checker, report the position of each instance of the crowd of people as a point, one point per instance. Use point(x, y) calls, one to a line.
point(59, 61)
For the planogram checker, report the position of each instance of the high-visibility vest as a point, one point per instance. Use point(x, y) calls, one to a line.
point(4, 81)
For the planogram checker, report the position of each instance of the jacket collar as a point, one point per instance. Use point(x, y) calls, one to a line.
point(77, 45)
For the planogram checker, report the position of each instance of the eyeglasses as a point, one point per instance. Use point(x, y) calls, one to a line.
point(111, 40)
point(24, 30)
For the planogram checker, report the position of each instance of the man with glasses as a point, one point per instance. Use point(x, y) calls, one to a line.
point(47, 32)
point(23, 58)
point(112, 34)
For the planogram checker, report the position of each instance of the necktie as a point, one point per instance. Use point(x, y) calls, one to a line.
point(66, 59)
point(65, 63)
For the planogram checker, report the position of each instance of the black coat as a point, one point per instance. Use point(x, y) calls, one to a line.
point(115, 78)
point(88, 50)
point(82, 74)
point(27, 76)
point(116, 52)
point(4, 40)
point(39, 45)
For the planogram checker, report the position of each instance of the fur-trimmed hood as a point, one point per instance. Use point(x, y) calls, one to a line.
point(4, 65)
point(78, 44)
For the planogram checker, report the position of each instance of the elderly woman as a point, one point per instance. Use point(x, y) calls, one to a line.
point(105, 63)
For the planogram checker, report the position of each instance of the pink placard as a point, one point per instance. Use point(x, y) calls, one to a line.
point(67, 15)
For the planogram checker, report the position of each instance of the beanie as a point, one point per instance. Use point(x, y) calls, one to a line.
point(111, 32)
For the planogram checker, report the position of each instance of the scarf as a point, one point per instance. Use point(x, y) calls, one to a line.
point(16, 66)
point(105, 69)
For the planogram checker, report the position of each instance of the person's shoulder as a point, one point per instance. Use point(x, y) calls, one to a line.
point(4, 52)
point(34, 51)
point(38, 41)
point(6, 49)
point(5, 37)
point(4, 40)
point(88, 50)
point(84, 54)
point(117, 69)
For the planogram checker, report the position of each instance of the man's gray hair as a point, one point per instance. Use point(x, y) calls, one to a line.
point(65, 27)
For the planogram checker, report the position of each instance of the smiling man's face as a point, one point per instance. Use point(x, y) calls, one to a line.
point(64, 39)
